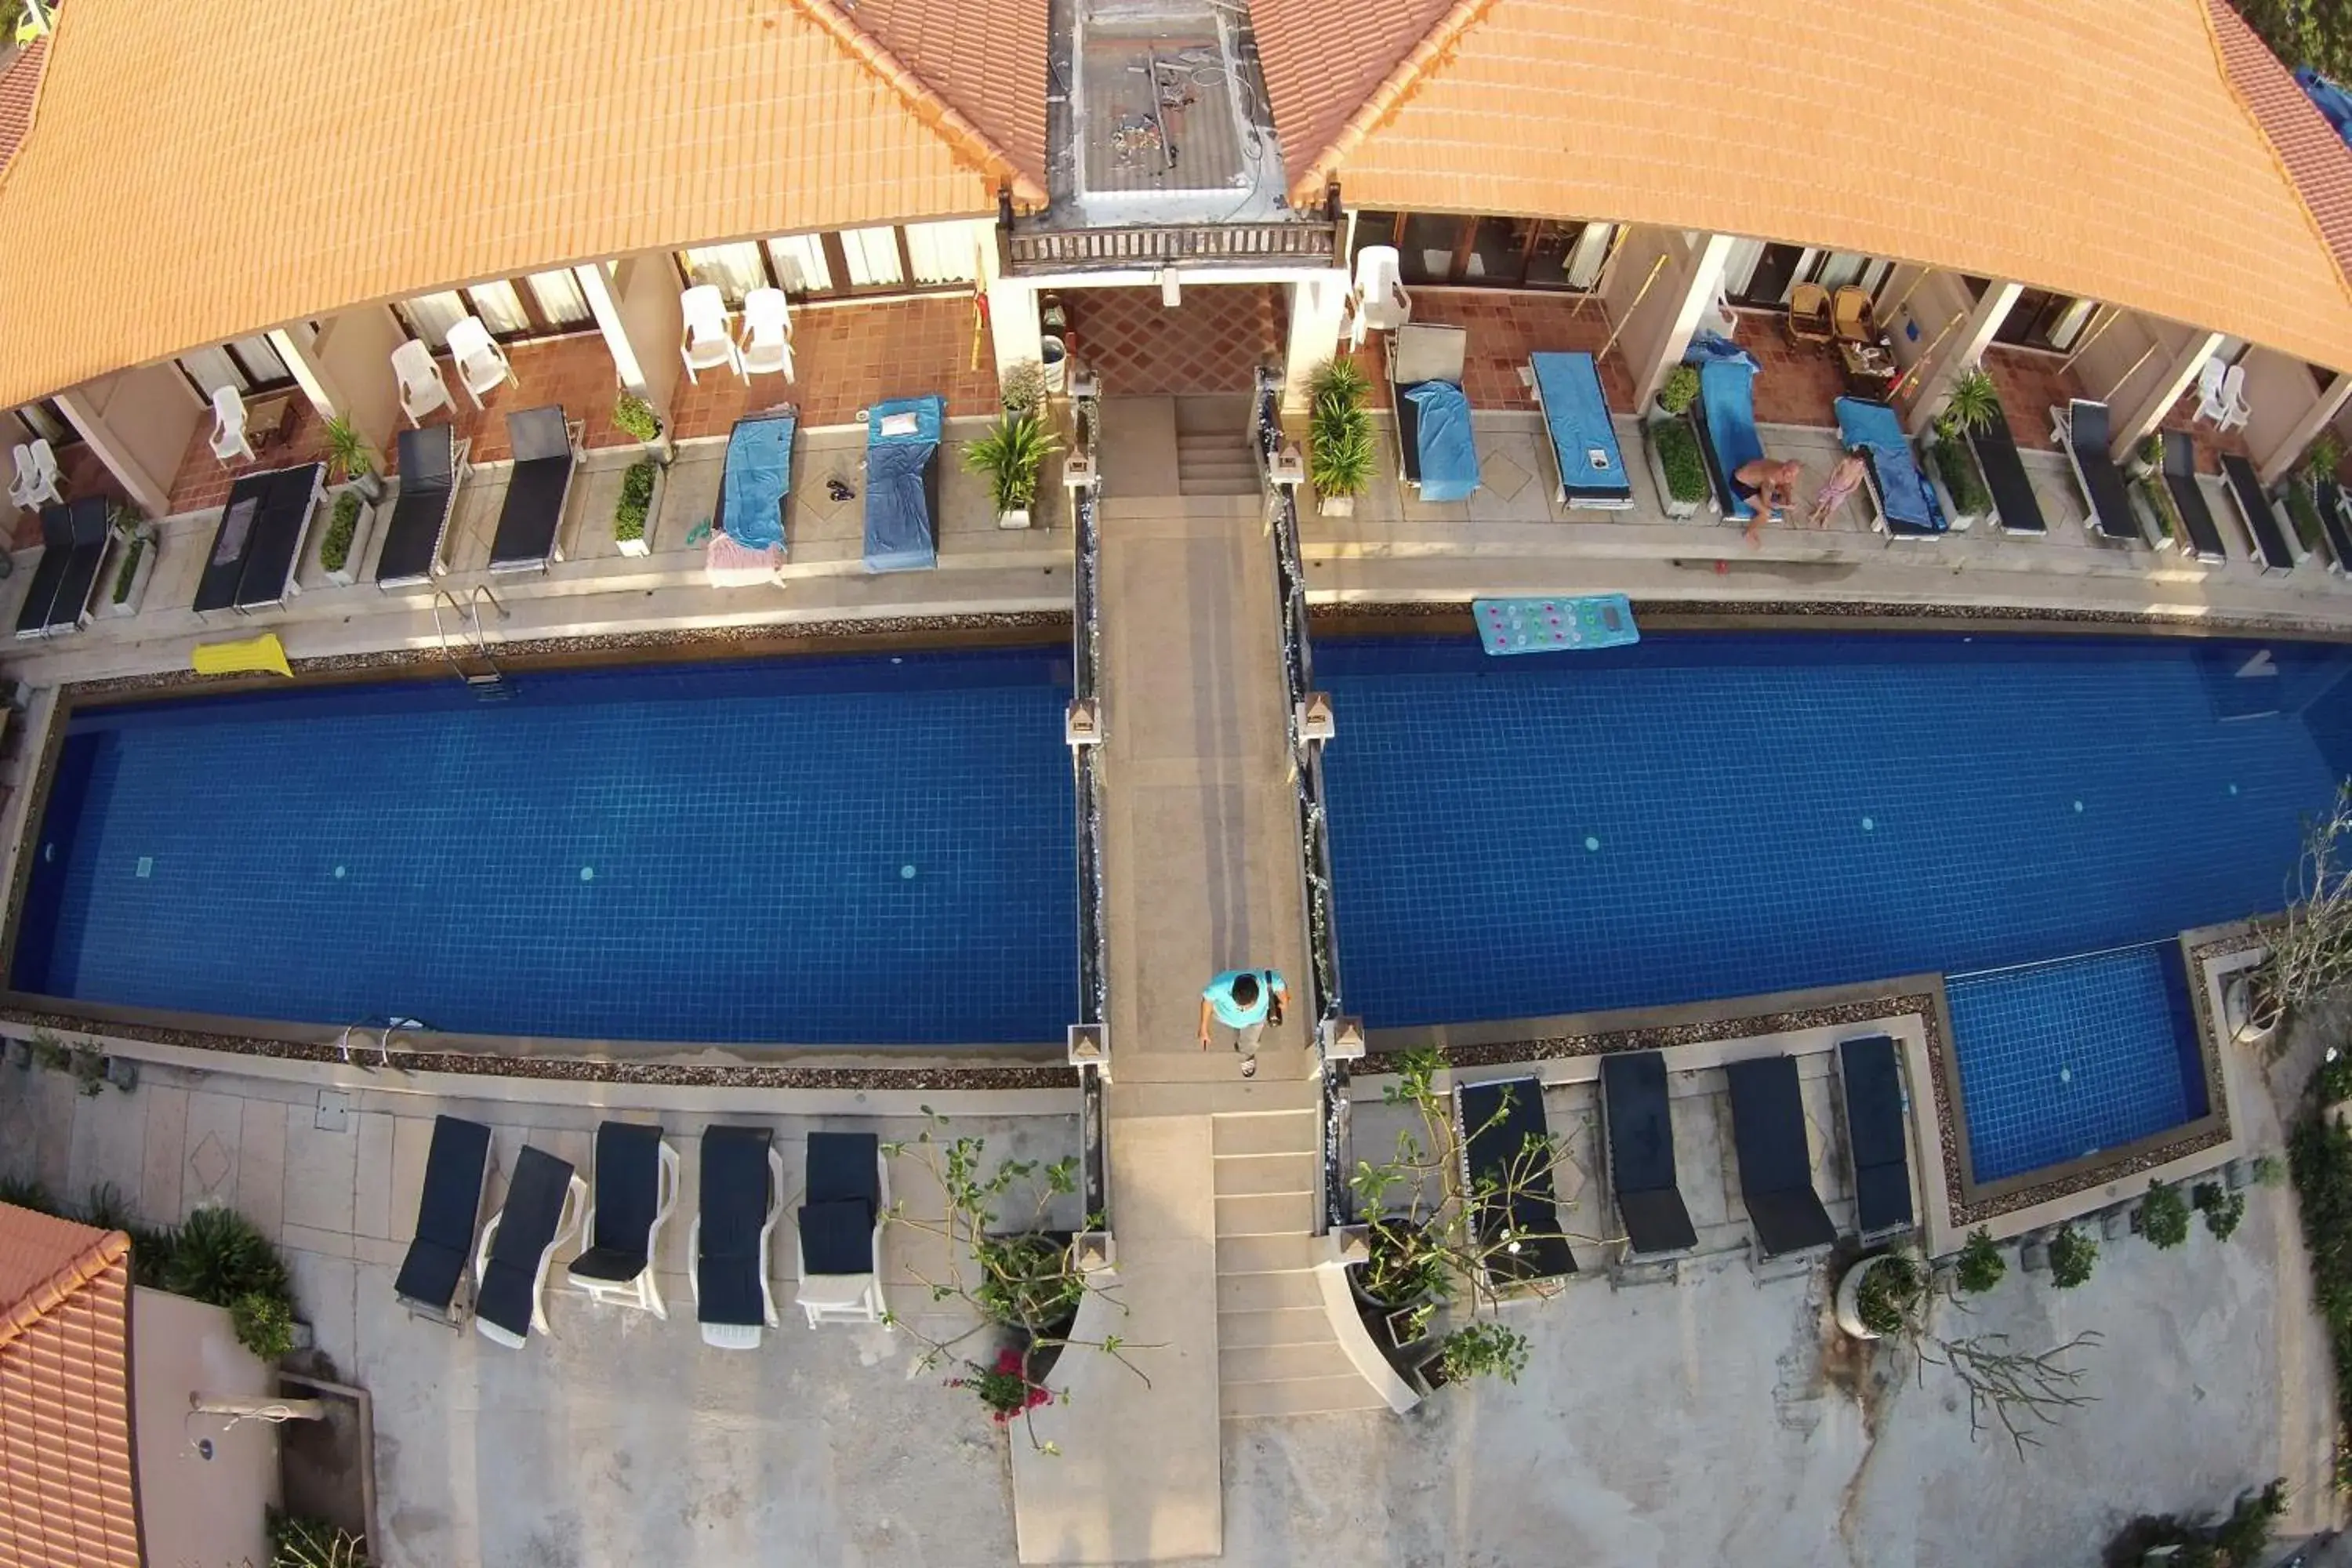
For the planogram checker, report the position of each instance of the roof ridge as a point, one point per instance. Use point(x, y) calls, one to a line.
point(1391, 95)
point(966, 139)
point(87, 1264)
point(2208, 12)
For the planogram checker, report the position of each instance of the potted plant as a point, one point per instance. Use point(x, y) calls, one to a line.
point(634, 514)
point(1401, 1286)
point(2072, 1256)
point(1680, 391)
point(1981, 1266)
point(1879, 1295)
point(1973, 404)
point(1339, 437)
point(132, 564)
point(344, 542)
point(633, 416)
point(1676, 465)
point(2164, 1215)
point(349, 455)
point(2157, 518)
point(2148, 457)
point(1024, 387)
point(1012, 455)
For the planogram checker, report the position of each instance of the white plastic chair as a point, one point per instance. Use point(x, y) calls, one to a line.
point(1380, 303)
point(743, 1336)
point(2210, 402)
point(481, 363)
point(422, 390)
point(708, 344)
point(642, 1292)
point(767, 345)
point(850, 1297)
point(37, 476)
point(2234, 409)
point(229, 426)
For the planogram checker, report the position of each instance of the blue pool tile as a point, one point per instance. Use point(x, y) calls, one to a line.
point(710, 853)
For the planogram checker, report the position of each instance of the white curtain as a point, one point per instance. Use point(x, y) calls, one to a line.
point(430, 317)
point(557, 294)
point(873, 256)
point(1740, 265)
point(800, 264)
point(2070, 325)
point(736, 269)
point(945, 252)
point(1586, 257)
point(212, 369)
point(501, 308)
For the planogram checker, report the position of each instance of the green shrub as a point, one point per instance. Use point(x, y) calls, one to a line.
point(1484, 1349)
point(1680, 391)
point(298, 1543)
point(1027, 1281)
point(2333, 1081)
point(1339, 432)
point(2325, 456)
point(637, 497)
point(1982, 1265)
point(1023, 388)
point(335, 548)
point(2164, 1215)
point(1889, 1294)
point(633, 416)
point(26, 1193)
point(2159, 506)
point(2150, 449)
point(347, 451)
point(221, 1256)
point(107, 1209)
point(125, 574)
point(88, 1068)
point(1956, 466)
point(2223, 1210)
point(1012, 455)
point(1678, 455)
point(2306, 513)
point(2319, 1159)
point(1342, 379)
point(150, 1254)
point(264, 1325)
point(2071, 1255)
point(1973, 404)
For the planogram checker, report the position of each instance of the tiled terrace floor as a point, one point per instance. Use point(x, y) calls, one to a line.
point(1505, 329)
point(1212, 343)
point(2030, 384)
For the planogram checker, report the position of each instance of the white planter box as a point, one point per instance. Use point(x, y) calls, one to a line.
point(1961, 522)
point(1336, 506)
point(361, 532)
point(1680, 511)
point(643, 543)
point(1017, 518)
point(129, 603)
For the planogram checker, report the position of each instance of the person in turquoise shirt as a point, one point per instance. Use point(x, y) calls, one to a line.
point(1245, 1001)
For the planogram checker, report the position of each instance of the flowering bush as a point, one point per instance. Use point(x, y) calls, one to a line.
point(1005, 1388)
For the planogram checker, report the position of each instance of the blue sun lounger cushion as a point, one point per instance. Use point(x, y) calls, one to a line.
point(1727, 425)
point(902, 452)
point(757, 478)
point(1904, 498)
point(1576, 412)
point(1449, 455)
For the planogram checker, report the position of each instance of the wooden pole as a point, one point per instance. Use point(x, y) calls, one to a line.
point(2124, 379)
point(1655, 267)
point(1925, 354)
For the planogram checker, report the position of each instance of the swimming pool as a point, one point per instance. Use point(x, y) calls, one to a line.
point(868, 850)
point(1705, 815)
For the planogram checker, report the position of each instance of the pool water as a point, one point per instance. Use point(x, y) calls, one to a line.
point(873, 850)
point(1708, 816)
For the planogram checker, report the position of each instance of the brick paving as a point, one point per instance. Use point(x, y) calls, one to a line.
point(1213, 342)
point(2030, 384)
point(1799, 382)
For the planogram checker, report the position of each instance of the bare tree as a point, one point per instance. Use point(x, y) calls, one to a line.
point(2310, 949)
point(2019, 1390)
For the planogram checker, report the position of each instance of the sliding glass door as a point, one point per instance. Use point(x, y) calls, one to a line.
point(1495, 252)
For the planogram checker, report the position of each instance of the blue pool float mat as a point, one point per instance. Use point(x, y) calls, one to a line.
point(1549, 625)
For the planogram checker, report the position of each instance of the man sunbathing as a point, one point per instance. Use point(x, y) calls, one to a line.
point(1766, 487)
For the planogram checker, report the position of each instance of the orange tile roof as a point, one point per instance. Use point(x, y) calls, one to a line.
point(2089, 146)
point(20, 86)
point(2314, 157)
point(985, 56)
point(297, 160)
point(1322, 58)
point(68, 1497)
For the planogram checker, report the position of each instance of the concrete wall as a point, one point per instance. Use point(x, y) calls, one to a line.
point(1638, 328)
point(198, 1512)
point(1934, 300)
point(139, 422)
point(2279, 391)
point(2105, 368)
point(353, 354)
point(643, 290)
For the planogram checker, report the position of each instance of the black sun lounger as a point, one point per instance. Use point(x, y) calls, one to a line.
point(430, 466)
point(1506, 1146)
point(511, 1268)
point(268, 579)
point(2204, 541)
point(1776, 1163)
point(2329, 497)
point(73, 545)
point(636, 1183)
point(2018, 508)
point(2272, 552)
point(741, 1198)
point(532, 516)
point(446, 1216)
point(2085, 437)
point(1639, 1125)
point(1877, 1134)
point(232, 542)
point(841, 1229)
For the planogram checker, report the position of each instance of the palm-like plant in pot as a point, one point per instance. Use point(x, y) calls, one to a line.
point(1013, 455)
point(1340, 437)
point(348, 454)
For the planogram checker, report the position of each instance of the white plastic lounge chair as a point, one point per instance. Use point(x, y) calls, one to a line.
point(228, 439)
point(2209, 403)
point(637, 1185)
point(36, 477)
point(708, 344)
point(841, 1229)
point(742, 1199)
point(1380, 303)
point(481, 363)
point(448, 1209)
point(422, 390)
point(541, 1213)
point(767, 346)
point(2234, 409)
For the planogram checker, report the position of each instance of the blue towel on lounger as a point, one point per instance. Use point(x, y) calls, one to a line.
point(759, 475)
point(1727, 396)
point(899, 526)
point(1903, 495)
point(1582, 438)
point(1449, 455)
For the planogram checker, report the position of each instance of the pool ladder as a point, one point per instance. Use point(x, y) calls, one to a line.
point(487, 683)
point(382, 1043)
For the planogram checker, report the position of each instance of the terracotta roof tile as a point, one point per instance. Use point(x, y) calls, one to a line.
point(20, 87)
point(2092, 147)
point(67, 1499)
point(2314, 157)
point(985, 56)
point(1322, 58)
point(309, 158)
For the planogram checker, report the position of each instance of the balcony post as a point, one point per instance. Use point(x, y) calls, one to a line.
point(2179, 373)
point(1317, 304)
point(636, 308)
point(1657, 332)
point(1963, 348)
point(344, 368)
point(2325, 406)
point(1013, 324)
point(139, 423)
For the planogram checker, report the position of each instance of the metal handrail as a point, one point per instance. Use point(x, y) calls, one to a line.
point(469, 617)
point(1086, 777)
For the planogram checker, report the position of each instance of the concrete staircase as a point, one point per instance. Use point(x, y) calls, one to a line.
point(1275, 1355)
point(1212, 449)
